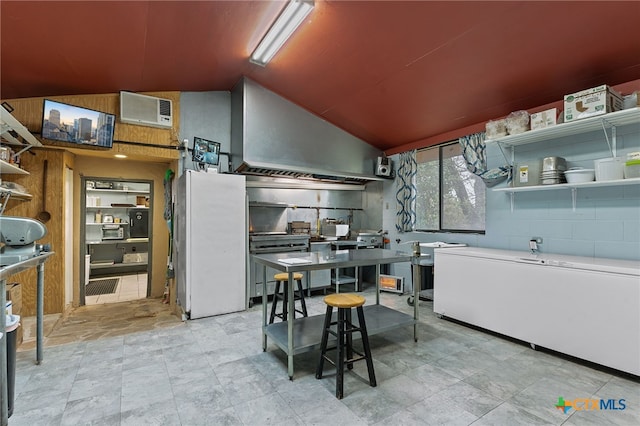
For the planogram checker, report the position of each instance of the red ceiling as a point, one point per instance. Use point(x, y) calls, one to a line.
point(393, 73)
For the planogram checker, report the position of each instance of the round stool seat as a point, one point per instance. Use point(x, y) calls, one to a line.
point(283, 276)
point(344, 300)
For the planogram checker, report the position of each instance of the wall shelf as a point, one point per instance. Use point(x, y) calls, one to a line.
point(115, 242)
point(601, 122)
point(121, 191)
point(16, 195)
point(9, 125)
point(6, 193)
point(116, 265)
point(8, 168)
point(10, 130)
point(118, 207)
point(572, 186)
point(618, 182)
point(585, 125)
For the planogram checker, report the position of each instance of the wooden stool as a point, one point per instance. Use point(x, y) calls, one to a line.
point(297, 295)
point(344, 330)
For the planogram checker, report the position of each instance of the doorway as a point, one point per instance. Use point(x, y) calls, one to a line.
point(116, 238)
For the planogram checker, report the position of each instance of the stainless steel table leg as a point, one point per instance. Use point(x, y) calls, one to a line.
point(290, 317)
point(4, 391)
point(417, 281)
point(264, 308)
point(377, 284)
point(40, 314)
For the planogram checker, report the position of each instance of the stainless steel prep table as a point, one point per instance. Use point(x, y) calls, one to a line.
point(6, 272)
point(304, 334)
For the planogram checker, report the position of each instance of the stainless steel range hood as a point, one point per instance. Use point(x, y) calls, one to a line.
point(271, 136)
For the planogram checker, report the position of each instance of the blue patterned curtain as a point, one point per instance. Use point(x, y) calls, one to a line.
point(473, 151)
point(406, 192)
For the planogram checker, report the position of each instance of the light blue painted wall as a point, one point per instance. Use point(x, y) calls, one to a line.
point(606, 222)
point(206, 115)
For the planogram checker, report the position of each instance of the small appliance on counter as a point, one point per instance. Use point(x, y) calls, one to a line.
point(19, 234)
point(333, 228)
point(299, 227)
point(391, 283)
point(112, 232)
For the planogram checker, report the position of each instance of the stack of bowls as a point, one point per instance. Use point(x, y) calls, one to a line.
point(579, 175)
point(553, 169)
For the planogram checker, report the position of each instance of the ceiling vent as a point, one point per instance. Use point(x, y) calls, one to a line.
point(145, 110)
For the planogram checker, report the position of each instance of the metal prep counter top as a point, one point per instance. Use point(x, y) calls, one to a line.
point(304, 334)
point(6, 272)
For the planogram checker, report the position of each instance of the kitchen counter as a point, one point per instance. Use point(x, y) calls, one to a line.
point(303, 334)
point(6, 272)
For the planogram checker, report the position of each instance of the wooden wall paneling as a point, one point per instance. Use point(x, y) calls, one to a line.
point(54, 268)
point(29, 112)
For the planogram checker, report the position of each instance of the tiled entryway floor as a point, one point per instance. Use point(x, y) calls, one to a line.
point(213, 371)
point(130, 287)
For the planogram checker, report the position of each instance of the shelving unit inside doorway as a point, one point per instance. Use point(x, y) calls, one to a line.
point(117, 240)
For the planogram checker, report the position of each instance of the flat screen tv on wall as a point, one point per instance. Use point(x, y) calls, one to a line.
point(76, 125)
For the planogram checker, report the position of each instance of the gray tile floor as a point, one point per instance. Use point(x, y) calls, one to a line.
point(213, 371)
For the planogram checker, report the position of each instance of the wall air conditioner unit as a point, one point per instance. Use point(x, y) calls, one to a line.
point(145, 110)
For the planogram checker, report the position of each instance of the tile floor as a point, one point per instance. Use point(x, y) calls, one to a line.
point(213, 371)
point(130, 287)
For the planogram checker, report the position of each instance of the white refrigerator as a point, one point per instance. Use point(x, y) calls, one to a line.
point(210, 243)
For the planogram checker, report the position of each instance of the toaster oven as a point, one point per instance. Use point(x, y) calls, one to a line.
point(391, 283)
point(112, 232)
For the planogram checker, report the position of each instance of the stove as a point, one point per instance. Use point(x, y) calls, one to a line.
point(370, 239)
point(271, 242)
point(277, 242)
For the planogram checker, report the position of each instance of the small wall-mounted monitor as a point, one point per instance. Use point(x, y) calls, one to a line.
point(206, 152)
point(76, 125)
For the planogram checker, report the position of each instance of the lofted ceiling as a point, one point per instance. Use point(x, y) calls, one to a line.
point(392, 73)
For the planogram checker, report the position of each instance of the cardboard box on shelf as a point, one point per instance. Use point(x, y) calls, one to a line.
point(14, 294)
point(591, 102)
point(542, 119)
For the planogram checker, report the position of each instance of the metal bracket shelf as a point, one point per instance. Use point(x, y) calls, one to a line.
point(9, 125)
point(572, 186)
point(611, 120)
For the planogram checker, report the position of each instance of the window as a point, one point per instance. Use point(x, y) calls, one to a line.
point(449, 197)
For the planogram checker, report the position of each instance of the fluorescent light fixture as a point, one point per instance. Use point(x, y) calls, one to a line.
point(291, 17)
point(120, 156)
